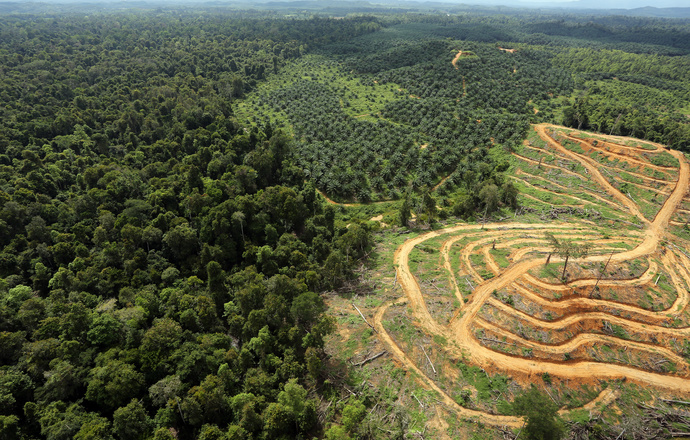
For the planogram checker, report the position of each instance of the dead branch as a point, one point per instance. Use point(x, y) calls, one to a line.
point(418, 401)
point(369, 359)
point(554, 400)
point(365, 319)
point(497, 341)
point(681, 250)
point(622, 221)
point(681, 402)
point(429, 360)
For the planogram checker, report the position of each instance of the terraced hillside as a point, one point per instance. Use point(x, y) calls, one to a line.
point(502, 298)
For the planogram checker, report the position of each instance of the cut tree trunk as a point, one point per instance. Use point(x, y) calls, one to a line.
point(565, 266)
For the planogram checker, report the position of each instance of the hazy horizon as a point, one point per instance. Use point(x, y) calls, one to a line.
point(577, 4)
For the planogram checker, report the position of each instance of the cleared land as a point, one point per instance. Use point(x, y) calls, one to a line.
point(620, 313)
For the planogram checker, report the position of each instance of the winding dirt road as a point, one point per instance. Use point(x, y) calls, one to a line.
point(461, 331)
point(457, 57)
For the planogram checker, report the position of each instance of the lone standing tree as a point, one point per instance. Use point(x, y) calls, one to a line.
point(566, 249)
point(405, 211)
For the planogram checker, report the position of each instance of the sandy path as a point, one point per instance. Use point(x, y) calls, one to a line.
point(455, 60)
point(579, 340)
point(349, 205)
point(566, 195)
point(332, 202)
point(510, 421)
point(646, 277)
point(547, 165)
point(662, 182)
point(620, 140)
point(543, 179)
point(598, 307)
point(416, 302)
point(414, 297)
point(621, 156)
point(564, 188)
point(565, 205)
point(440, 183)
point(643, 187)
point(445, 254)
point(592, 167)
point(462, 333)
point(609, 167)
point(659, 148)
point(633, 313)
point(460, 330)
point(560, 324)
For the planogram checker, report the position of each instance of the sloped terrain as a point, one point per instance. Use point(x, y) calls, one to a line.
point(619, 313)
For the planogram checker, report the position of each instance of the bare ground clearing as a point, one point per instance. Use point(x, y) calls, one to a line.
point(587, 322)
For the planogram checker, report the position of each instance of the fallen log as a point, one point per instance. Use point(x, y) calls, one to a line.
point(369, 359)
point(365, 319)
point(681, 402)
point(429, 360)
point(497, 341)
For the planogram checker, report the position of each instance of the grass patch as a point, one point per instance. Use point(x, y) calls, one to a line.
point(664, 159)
point(551, 272)
point(501, 257)
point(487, 386)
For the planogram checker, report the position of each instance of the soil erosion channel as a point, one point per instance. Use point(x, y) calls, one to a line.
point(462, 331)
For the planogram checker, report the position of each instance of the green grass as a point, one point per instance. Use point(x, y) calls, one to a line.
point(664, 159)
point(477, 259)
point(551, 272)
point(680, 231)
point(501, 257)
point(486, 274)
point(620, 332)
point(486, 386)
point(572, 146)
point(440, 340)
point(350, 347)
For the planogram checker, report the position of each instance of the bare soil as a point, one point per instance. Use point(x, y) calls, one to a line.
point(583, 329)
point(457, 57)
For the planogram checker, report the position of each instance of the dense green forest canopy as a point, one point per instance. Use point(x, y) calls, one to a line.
point(159, 260)
point(162, 242)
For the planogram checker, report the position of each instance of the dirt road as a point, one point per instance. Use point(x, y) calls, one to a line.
point(455, 60)
point(461, 329)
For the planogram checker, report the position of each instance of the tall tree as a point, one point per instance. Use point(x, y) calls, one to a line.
point(405, 211)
